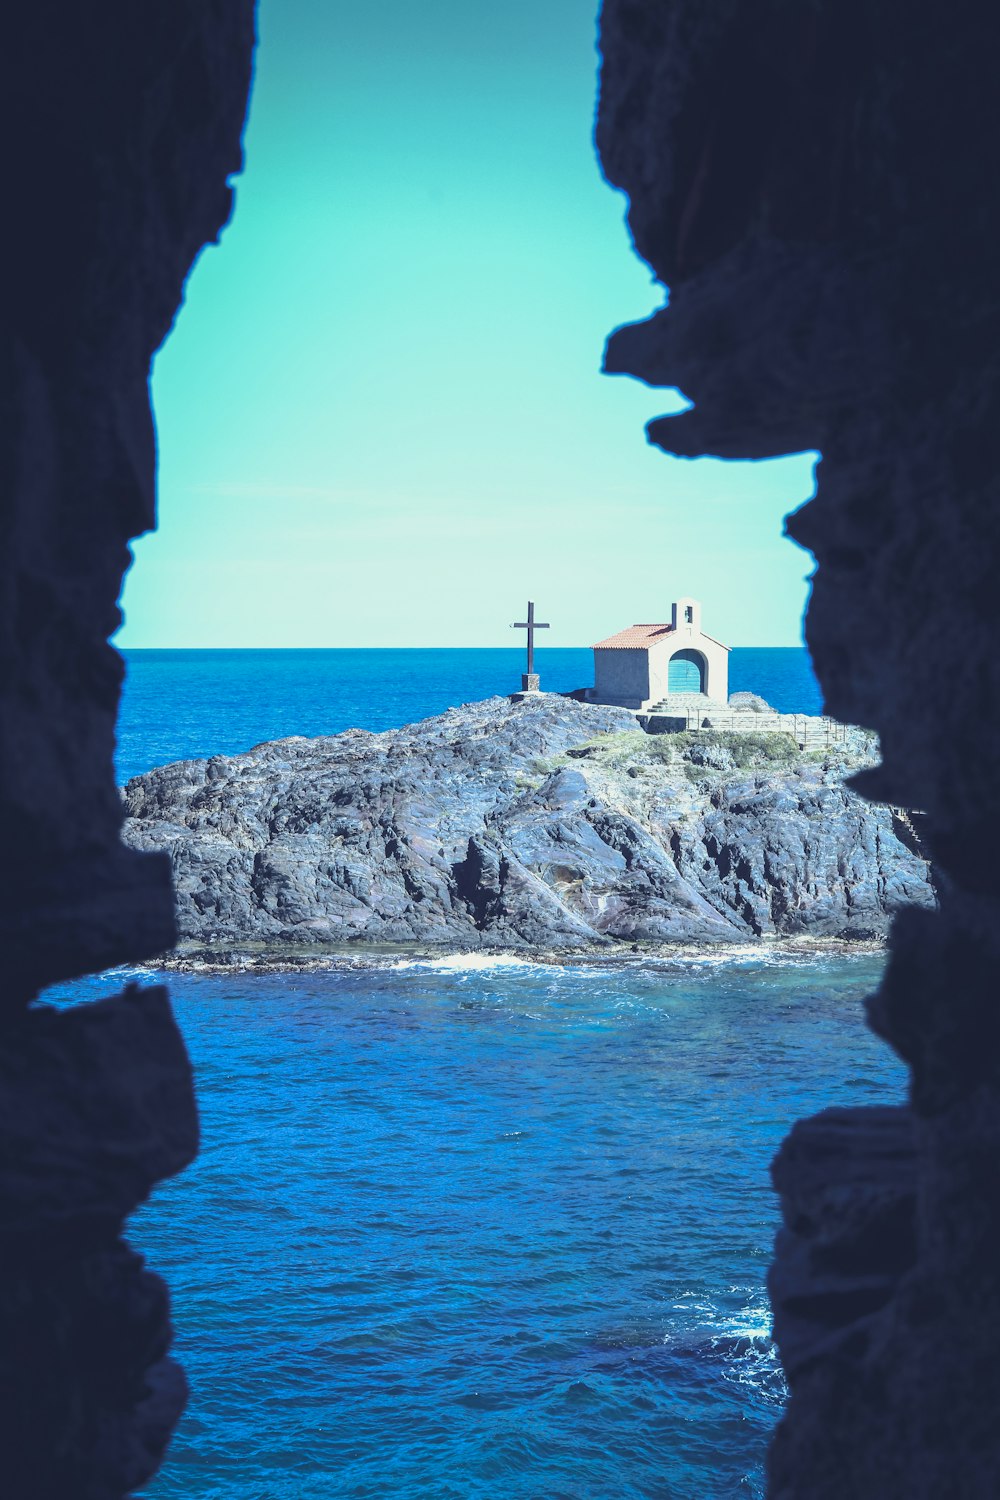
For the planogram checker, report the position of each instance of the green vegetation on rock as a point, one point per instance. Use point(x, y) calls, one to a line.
point(713, 749)
point(756, 748)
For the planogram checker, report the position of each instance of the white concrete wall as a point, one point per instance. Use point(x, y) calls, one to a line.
point(659, 659)
point(622, 677)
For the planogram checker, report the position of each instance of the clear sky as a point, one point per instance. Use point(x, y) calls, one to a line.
point(380, 411)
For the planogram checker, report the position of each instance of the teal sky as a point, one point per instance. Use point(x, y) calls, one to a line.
point(380, 412)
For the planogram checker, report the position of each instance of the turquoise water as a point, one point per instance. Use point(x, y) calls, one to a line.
point(477, 1228)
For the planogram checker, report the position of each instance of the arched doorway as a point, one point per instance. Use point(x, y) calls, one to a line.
point(686, 672)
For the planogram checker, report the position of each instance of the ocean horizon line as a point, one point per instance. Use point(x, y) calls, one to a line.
point(515, 646)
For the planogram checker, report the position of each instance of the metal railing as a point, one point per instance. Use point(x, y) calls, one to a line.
point(809, 731)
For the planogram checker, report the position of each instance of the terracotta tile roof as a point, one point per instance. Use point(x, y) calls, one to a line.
point(636, 637)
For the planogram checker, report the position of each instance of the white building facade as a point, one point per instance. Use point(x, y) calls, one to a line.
point(646, 664)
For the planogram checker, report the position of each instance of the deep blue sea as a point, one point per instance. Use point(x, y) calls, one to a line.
point(477, 1229)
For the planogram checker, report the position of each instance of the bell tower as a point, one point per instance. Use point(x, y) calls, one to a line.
point(685, 617)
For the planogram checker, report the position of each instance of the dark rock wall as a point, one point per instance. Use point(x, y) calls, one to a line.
point(815, 183)
point(121, 125)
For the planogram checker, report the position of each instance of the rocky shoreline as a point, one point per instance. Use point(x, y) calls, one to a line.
point(548, 827)
point(192, 959)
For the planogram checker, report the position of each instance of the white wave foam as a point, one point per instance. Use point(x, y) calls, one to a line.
point(762, 955)
point(743, 1337)
point(739, 1336)
point(468, 963)
point(128, 973)
point(752, 1319)
point(677, 961)
point(751, 1322)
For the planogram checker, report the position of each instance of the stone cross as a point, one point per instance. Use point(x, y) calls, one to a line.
point(529, 680)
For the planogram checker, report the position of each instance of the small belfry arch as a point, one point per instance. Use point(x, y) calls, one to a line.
point(644, 665)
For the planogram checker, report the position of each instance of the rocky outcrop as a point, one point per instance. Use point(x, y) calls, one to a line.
point(545, 824)
point(812, 183)
point(122, 126)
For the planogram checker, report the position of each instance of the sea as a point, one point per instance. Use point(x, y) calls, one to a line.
point(477, 1227)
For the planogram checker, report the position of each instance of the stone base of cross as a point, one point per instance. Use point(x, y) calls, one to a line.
point(529, 679)
point(529, 688)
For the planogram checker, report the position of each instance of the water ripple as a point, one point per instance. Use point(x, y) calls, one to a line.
point(508, 1249)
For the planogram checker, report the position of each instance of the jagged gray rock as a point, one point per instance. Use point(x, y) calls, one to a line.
point(547, 824)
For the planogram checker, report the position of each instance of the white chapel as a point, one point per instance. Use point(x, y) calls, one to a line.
point(642, 666)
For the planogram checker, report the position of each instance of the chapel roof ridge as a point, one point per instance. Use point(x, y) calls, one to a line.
point(633, 636)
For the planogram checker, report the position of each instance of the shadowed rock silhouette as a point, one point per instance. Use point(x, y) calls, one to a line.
point(814, 185)
point(122, 125)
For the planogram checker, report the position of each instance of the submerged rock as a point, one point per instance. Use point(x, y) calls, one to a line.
point(547, 823)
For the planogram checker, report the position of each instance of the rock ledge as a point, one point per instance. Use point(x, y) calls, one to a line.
point(544, 824)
